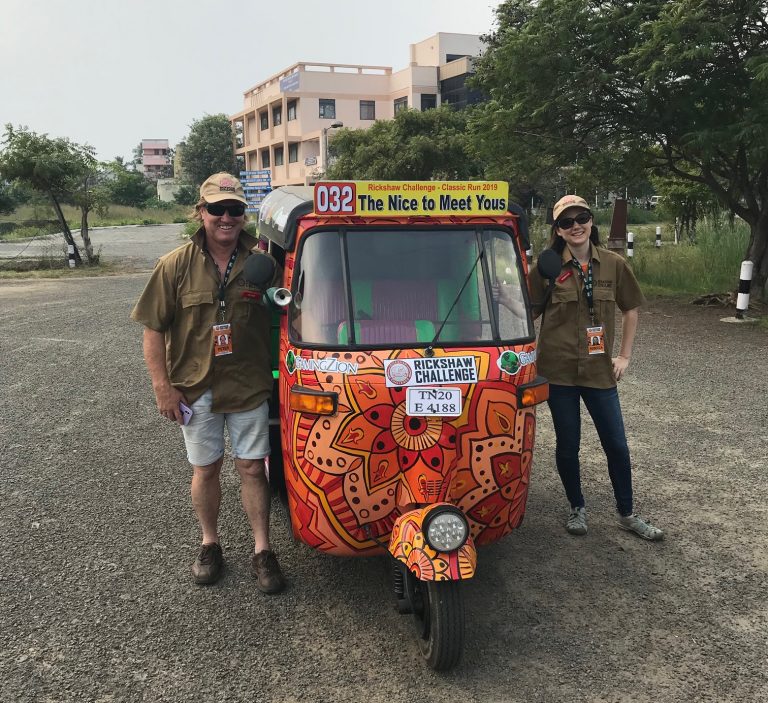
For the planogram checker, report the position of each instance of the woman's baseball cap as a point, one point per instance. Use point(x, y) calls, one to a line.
point(568, 201)
point(222, 186)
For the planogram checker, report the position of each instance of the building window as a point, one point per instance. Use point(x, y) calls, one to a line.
point(264, 120)
point(277, 115)
point(401, 104)
point(291, 110)
point(367, 109)
point(428, 101)
point(327, 109)
point(455, 57)
point(278, 156)
point(265, 158)
point(293, 153)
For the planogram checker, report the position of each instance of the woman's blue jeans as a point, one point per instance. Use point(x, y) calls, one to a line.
point(603, 405)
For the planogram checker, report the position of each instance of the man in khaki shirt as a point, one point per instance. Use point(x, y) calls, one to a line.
point(206, 346)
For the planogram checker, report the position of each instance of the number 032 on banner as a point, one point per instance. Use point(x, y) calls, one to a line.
point(335, 198)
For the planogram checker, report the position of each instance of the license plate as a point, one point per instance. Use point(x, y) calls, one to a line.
point(426, 401)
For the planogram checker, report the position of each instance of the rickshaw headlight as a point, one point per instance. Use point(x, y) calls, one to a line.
point(445, 530)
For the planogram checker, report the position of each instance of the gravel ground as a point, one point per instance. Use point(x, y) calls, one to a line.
point(96, 602)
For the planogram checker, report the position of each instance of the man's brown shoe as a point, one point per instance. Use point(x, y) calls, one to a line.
point(266, 571)
point(207, 566)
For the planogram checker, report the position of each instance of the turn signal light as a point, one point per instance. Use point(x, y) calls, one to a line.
point(307, 400)
point(533, 393)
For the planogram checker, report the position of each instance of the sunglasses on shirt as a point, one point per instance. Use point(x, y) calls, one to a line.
point(217, 209)
point(567, 222)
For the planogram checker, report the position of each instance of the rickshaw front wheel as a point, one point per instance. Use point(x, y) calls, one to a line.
point(439, 611)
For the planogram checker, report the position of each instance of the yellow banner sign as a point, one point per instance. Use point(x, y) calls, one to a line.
point(411, 198)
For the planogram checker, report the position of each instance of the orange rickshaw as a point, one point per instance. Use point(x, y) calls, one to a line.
point(403, 417)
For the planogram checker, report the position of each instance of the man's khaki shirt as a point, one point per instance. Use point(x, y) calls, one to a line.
point(181, 300)
point(562, 347)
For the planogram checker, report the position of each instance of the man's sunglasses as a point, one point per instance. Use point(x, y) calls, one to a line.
point(567, 222)
point(217, 209)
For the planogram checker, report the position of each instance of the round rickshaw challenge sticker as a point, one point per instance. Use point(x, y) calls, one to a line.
point(398, 373)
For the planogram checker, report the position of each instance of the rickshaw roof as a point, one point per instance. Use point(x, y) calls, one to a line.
point(279, 212)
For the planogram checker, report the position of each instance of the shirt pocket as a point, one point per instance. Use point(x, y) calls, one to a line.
point(193, 304)
point(605, 303)
point(563, 305)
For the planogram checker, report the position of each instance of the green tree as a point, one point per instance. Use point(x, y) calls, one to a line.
point(8, 201)
point(415, 145)
point(209, 148)
point(57, 167)
point(126, 187)
point(679, 85)
point(186, 195)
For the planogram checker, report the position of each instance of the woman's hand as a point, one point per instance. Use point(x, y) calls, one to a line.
point(620, 364)
point(502, 294)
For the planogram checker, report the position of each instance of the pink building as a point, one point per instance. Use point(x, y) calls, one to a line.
point(155, 154)
point(287, 119)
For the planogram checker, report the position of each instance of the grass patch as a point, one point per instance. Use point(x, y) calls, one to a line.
point(38, 268)
point(113, 216)
point(710, 265)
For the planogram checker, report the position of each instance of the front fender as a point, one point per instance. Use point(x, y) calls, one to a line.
point(407, 545)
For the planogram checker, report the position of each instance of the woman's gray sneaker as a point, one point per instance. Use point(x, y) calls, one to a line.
point(636, 524)
point(577, 521)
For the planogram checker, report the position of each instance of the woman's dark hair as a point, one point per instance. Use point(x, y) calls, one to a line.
point(558, 243)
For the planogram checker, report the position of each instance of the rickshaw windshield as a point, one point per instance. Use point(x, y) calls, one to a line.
point(401, 287)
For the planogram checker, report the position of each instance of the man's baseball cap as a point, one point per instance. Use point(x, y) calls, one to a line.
point(222, 186)
point(568, 201)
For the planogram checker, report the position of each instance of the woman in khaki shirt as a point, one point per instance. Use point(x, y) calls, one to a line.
point(574, 353)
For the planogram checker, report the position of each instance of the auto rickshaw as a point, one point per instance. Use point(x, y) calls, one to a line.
point(404, 417)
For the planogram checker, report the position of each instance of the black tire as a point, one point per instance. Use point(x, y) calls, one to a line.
point(439, 613)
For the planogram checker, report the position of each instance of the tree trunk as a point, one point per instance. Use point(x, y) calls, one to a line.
point(86, 237)
point(757, 253)
point(65, 229)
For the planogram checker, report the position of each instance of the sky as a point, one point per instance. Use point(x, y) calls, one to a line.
point(113, 72)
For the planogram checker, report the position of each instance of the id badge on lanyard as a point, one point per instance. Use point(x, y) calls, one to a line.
point(222, 332)
point(595, 332)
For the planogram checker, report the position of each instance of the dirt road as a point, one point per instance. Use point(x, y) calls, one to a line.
point(98, 535)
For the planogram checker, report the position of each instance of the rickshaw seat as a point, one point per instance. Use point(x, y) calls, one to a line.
point(388, 331)
point(404, 300)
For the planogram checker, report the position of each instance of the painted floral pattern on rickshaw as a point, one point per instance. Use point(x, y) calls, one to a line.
point(352, 474)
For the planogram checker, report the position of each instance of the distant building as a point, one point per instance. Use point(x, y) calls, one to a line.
point(155, 158)
point(287, 119)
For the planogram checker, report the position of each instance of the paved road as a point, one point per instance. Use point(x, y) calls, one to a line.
point(96, 602)
point(135, 246)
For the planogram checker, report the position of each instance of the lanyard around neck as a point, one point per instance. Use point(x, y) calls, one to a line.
point(223, 281)
point(588, 285)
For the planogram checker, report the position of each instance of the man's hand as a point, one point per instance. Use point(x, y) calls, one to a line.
point(620, 364)
point(168, 399)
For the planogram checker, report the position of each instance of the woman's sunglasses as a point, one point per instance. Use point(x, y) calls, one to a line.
point(217, 209)
point(567, 222)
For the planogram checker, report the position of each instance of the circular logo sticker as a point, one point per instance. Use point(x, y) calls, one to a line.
point(509, 362)
point(399, 373)
point(290, 361)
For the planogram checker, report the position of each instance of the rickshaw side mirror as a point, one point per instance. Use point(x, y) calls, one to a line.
point(549, 264)
point(259, 270)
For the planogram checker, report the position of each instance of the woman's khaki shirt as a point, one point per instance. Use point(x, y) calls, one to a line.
point(562, 347)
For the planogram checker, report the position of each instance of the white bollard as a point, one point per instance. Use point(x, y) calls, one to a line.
point(630, 244)
point(71, 255)
point(658, 236)
point(745, 281)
